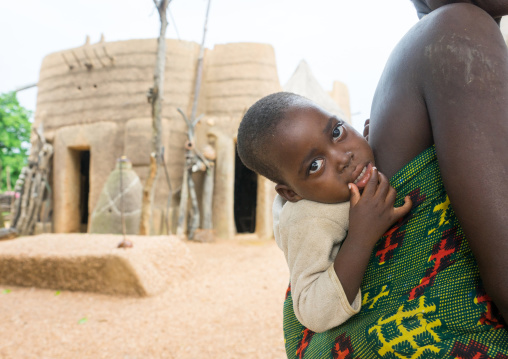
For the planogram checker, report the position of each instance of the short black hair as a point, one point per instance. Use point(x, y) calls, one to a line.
point(258, 127)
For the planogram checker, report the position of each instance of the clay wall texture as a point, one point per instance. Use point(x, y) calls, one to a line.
point(94, 98)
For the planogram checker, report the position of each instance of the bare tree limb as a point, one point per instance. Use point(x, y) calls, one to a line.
point(156, 98)
point(190, 153)
point(199, 70)
point(146, 209)
point(26, 87)
point(170, 195)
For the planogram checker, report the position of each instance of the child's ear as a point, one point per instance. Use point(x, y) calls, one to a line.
point(366, 129)
point(287, 193)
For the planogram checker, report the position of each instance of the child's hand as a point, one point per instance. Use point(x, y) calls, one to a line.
point(372, 213)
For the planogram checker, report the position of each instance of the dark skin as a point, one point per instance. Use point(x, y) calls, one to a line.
point(446, 83)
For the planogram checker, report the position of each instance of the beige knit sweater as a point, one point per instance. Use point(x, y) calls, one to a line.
point(310, 234)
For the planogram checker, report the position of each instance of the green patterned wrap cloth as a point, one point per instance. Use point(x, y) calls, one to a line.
point(422, 294)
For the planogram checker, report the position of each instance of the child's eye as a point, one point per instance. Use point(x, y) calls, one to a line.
point(337, 131)
point(315, 166)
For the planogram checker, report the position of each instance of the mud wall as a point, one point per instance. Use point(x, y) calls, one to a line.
point(93, 98)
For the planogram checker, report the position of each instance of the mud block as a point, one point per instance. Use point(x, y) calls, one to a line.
point(93, 263)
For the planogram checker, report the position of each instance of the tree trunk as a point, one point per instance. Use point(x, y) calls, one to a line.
point(32, 199)
point(158, 88)
point(208, 197)
point(156, 98)
point(199, 69)
point(146, 205)
point(182, 210)
point(170, 195)
point(190, 155)
point(194, 217)
point(25, 197)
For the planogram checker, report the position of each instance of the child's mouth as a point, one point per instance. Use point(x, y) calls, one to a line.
point(364, 176)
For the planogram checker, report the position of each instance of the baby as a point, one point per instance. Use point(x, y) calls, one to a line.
point(328, 192)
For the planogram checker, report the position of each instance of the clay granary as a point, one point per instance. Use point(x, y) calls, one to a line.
point(92, 106)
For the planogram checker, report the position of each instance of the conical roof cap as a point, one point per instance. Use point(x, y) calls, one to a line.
point(303, 83)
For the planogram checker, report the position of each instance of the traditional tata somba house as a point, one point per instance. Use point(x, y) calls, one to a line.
point(92, 106)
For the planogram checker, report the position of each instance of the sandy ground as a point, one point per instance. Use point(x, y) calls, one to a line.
point(230, 306)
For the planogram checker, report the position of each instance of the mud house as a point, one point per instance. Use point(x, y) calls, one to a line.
point(93, 108)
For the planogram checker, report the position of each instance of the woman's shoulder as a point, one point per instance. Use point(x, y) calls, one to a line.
point(450, 23)
point(448, 53)
point(494, 8)
point(454, 24)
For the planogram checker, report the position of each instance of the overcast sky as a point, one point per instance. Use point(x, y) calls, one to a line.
point(345, 40)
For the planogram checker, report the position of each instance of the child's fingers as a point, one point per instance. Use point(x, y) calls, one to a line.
point(404, 209)
point(355, 194)
point(391, 195)
point(370, 188)
point(384, 185)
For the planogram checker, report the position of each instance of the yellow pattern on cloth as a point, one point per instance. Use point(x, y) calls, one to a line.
point(422, 293)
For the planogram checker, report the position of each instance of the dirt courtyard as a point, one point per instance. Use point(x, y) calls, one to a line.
point(229, 306)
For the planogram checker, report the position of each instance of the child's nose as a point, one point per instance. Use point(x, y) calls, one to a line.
point(343, 160)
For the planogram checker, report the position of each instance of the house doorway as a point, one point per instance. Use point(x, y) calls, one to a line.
point(246, 185)
point(84, 188)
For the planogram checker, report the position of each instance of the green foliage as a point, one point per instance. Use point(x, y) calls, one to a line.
point(15, 130)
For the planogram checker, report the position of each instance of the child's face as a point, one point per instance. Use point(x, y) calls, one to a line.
point(318, 155)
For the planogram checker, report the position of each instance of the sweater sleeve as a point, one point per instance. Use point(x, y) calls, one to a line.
point(319, 300)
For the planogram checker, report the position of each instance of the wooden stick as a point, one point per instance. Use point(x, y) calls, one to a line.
point(124, 243)
point(194, 218)
point(156, 98)
point(182, 209)
point(170, 195)
point(208, 197)
point(146, 210)
point(199, 70)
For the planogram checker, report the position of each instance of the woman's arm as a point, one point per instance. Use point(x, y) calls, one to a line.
point(464, 82)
